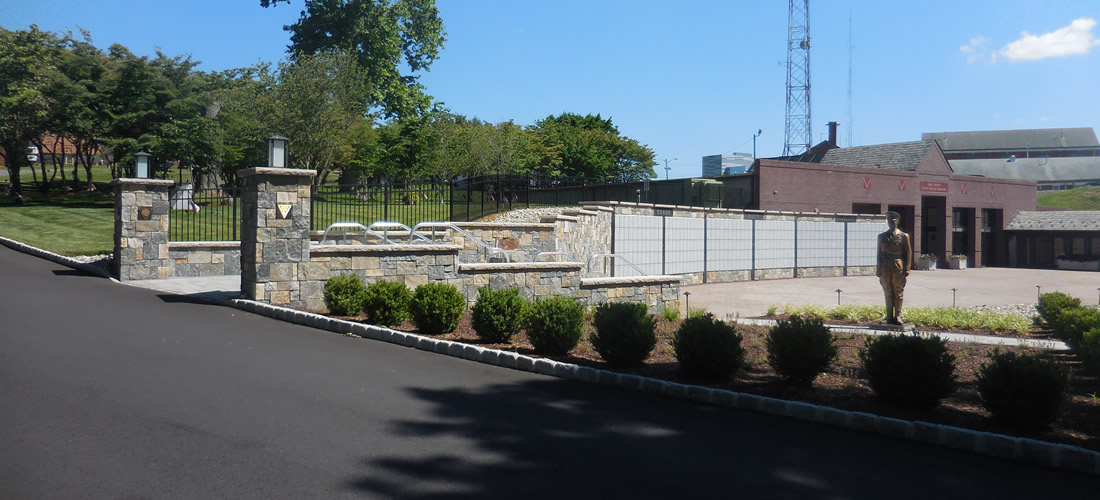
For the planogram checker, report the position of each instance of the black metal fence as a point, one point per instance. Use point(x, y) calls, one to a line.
point(214, 214)
point(204, 214)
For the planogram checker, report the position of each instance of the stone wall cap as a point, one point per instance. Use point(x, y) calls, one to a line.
point(142, 182)
point(370, 249)
point(521, 266)
point(568, 218)
point(631, 280)
point(182, 245)
point(579, 211)
point(289, 172)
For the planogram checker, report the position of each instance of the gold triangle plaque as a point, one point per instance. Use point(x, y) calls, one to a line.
point(283, 210)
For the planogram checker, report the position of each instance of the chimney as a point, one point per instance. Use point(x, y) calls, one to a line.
point(832, 134)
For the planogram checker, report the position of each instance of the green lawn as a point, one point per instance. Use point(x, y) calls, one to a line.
point(63, 229)
point(1082, 198)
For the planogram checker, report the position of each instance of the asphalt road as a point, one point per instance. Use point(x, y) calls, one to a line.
point(110, 391)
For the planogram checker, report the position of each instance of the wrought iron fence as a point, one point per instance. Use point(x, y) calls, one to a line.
point(214, 214)
point(204, 214)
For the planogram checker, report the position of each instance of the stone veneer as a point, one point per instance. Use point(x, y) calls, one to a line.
point(141, 229)
point(205, 258)
point(274, 233)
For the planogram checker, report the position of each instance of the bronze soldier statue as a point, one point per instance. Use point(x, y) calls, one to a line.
point(895, 258)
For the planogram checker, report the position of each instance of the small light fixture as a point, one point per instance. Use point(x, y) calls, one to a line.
point(276, 151)
point(141, 165)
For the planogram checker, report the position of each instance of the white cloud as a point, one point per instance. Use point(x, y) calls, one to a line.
point(972, 48)
point(1075, 39)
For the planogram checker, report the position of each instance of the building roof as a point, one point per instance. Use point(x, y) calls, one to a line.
point(895, 156)
point(1076, 168)
point(1013, 140)
point(1069, 220)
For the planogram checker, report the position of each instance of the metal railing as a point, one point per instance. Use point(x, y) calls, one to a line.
point(204, 214)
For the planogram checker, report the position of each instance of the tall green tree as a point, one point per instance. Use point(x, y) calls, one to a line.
point(25, 57)
point(384, 35)
point(589, 146)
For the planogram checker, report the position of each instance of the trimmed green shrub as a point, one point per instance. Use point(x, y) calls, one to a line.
point(387, 302)
point(1089, 349)
point(800, 350)
point(909, 371)
point(498, 315)
point(1072, 323)
point(1053, 303)
point(437, 307)
point(554, 325)
point(1023, 391)
point(343, 294)
point(708, 348)
point(624, 334)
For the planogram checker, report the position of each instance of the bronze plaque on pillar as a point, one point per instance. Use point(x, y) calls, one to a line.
point(145, 213)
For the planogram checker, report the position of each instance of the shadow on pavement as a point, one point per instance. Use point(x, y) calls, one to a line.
point(542, 439)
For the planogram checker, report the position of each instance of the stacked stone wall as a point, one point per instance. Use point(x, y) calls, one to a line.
point(205, 258)
point(141, 229)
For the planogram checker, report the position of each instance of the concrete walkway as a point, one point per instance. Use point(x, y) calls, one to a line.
point(974, 287)
point(215, 289)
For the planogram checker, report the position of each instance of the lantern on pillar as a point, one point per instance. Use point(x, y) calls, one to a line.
point(141, 165)
point(276, 151)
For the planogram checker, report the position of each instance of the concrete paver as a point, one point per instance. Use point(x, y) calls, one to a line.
point(974, 287)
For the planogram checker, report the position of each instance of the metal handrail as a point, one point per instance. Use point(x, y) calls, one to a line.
point(387, 225)
point(489, 250)
point(344, 225)
point(588, 265)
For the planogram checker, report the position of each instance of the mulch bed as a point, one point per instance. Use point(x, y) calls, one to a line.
point(845, 385)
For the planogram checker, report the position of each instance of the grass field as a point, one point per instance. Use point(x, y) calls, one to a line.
point(1082, 198)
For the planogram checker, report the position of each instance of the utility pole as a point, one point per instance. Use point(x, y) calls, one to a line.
point(758, 133)
point(667, 168)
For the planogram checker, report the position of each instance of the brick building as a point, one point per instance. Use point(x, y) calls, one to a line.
point(946, 213)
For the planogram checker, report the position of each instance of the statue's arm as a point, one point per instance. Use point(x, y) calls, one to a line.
point(908, 254)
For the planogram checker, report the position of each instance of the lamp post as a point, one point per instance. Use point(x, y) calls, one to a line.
point(141, 165)
point(758, 133)
point(276, 151)
point(667, 168)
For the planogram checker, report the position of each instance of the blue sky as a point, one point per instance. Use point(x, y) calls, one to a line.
point(687, 78)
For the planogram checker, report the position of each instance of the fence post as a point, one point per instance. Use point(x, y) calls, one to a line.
point(845, 273)
point(752, 277)
point(705, 233)
point(236, 220)
point(386, 201)
point(794, 272)
point(664, 244)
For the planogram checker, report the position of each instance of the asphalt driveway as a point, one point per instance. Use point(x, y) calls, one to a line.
point(110, 391)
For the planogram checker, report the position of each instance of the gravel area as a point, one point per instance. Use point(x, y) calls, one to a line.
point(526, 214)
point(1026, 310)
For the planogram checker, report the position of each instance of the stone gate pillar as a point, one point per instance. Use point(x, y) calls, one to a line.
point(274, 233)
point(141, 229)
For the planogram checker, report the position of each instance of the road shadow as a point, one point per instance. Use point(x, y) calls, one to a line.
point(564, 439)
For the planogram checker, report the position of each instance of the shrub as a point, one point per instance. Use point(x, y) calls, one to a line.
point(343, 294)
point(437, 307)
point(800, 350)
point(554, 325)
point(387, 302)
point(909, 371)
point(1023, 391)
point(670, 313)
point(1052, 304)
point(624, 333)
point(498, 315)
point(697, 312)
point(708, 348)
point(1089, 349)
point(1072, 323)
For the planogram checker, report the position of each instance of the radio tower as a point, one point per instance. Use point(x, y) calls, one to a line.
point(798, 134)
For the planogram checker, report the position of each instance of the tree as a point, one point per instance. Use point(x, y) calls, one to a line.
point(25, 56)
point(384, 35)
point(319, 100)
point(589, 146)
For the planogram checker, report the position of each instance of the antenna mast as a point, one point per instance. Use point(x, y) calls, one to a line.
point(851, 48)
point(798, 134)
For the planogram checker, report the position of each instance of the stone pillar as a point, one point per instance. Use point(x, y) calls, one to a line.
point(274, 233)
point(141, 229)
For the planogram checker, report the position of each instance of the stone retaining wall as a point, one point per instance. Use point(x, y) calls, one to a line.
point(205, 258)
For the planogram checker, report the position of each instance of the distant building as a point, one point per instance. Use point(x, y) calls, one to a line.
point(732, 164)
point(1057, 158)
point(1024, 143)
